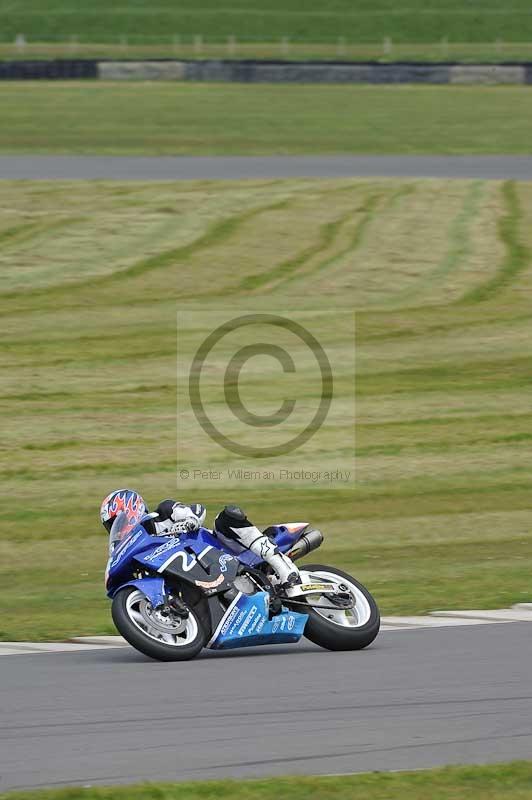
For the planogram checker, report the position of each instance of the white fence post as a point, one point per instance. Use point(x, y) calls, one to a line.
point(387, 46)
point(340, 47)
point(20, 42)
point(198, 44)
point(285, 46)
point(231, 45)
point(176, 44)
point(444, 47)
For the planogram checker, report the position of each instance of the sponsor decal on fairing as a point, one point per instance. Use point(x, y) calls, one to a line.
point(224, 560)
point(124, 547)
point(163, 548)
point(247, 622)
point(210, 584)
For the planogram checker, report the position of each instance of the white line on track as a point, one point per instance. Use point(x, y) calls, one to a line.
point(522, 612)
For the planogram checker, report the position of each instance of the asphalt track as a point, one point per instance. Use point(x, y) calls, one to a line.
point(261, 167)
point(414, 699)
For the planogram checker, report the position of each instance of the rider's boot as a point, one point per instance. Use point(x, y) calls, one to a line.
point(233, 523)
point(284, 568)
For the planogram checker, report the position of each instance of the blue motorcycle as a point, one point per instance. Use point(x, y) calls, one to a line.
point(173, 596)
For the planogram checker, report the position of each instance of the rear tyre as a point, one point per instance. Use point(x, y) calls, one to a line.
point(158, 633)
point(338, 629)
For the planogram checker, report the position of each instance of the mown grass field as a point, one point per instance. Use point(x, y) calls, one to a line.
point(440, 275)
point(511, 781)
point(233, 119)
point(303, 20)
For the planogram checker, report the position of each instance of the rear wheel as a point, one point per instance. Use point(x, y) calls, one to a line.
point(341, 629)
point(160, 632)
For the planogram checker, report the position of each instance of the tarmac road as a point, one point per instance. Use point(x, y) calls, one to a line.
point(236, 167)
point(416, 698)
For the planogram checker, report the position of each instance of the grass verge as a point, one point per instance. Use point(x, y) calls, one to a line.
point(233, 119)
point(512, 781)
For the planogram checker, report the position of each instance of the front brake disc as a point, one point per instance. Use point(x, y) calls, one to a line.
point(161, 618)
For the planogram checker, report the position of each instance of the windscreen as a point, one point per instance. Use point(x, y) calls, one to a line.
point(122, 526)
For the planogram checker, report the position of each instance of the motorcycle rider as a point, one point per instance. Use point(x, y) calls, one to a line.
point(171, 518)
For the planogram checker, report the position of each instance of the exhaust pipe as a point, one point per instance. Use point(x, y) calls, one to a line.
point(310, 540)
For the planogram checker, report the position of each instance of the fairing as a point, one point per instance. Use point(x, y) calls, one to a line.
point(151, 585)
point(141, 560)
point(246, 623)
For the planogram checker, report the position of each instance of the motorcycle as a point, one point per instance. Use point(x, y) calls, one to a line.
point(173, 596)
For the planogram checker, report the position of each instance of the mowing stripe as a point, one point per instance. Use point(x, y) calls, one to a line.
point(517, 254)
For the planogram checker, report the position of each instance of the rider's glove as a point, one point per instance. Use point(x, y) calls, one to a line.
point(186, 518)
point(180, 518)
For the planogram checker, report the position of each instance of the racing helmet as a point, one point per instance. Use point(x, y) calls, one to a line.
point(126, 500)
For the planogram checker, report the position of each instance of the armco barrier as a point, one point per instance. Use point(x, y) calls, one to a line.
point(528, 73)
point(487, 73)
point(142, 70)
point(47, 70)
point(269, 71)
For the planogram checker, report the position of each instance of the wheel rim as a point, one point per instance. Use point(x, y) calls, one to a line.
point(354, 617)
point(162, 625)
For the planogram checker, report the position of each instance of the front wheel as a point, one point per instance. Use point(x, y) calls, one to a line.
point(341, 629)
point(157, 632)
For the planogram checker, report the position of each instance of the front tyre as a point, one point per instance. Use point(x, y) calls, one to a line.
point(157, 632)
point(340, 629)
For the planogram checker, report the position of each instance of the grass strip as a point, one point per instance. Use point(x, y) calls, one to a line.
point(239, 119)
point(510, 781)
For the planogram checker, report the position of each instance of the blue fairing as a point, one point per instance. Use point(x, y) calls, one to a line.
point(152, 551)
point(246, 623)
point(165, 548)
point(152, 586)
point(136, 541)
